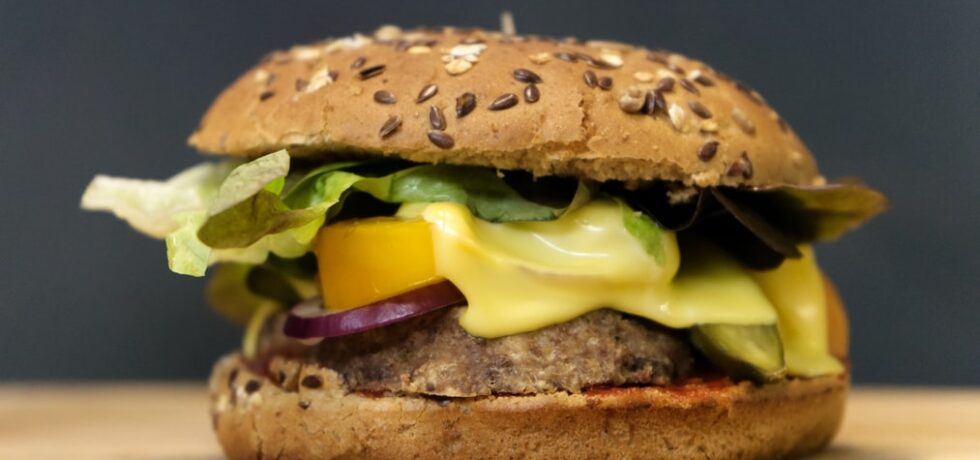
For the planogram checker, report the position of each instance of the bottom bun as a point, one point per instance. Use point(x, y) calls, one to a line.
point(305, 412)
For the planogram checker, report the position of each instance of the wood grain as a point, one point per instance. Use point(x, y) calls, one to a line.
point(170, 422)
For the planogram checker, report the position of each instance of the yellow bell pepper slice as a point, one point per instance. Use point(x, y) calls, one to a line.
point(366, 260)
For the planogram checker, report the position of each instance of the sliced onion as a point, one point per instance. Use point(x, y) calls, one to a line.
point(306, 321)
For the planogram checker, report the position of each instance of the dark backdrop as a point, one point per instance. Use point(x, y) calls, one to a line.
point(884, 90)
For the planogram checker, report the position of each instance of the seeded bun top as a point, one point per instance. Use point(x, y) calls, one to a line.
point(597, 110)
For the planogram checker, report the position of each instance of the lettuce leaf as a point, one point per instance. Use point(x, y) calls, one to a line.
point(228, 212)
point(305, 207)
point(186, 254)
point(249, 178)
point(154, 207)
point(645, 230)
point(480, 189)
point(818, 212)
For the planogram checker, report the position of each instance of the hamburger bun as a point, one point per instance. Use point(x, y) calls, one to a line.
point(323, 99)
point(257, 417)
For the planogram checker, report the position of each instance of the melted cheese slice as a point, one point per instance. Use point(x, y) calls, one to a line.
point(519, 277)
point(796, 290)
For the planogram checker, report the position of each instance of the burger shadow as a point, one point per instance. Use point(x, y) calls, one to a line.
point(847, 452)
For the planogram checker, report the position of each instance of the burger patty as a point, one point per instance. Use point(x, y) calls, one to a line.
point(433, 355)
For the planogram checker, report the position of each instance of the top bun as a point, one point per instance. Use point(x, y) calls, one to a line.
point(592, 118)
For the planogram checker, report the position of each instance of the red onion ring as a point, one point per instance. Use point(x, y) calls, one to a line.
point(301, 324)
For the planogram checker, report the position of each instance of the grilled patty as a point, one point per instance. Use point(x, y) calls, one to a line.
point(433, 355)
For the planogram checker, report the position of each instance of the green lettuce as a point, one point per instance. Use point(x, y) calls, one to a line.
point(306, 206)
point(155, 207)
point(645, 230)
point(243, 213)
point(188, 255)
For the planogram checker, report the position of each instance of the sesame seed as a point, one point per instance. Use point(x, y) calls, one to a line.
point(504, 102)
point(333, 75)
point(531, 93)
point(301, 84)
point(605, 83)
point(741, 167)
point(540, 58)
point(252, 386)
point(643, 77)
point(282, 377)
point(312, 381)
point(782, 123)
point(372, 71)
point(593, 62)
point(665, 85)
point(304, 404)
point(441, 139)
point(307, 53)
point(590, 79)
point(467, 49)
point(650, 102)
point(743, 121)
point(611, 60)
point(458, 66)
point(387, 32)
point(390, 126)
point(427, 92)
point(701, 78)
point(654, 101)
point(436, 118)
point(675, 68)
point(232, 376)
point(266, 95)
point(465, 104)
point(384, 97)
point(657, 57)
point(631, 100)
point(358, 63)
point(707, 150)
point(686, 84)
point(586, 58)
point(677, 116)
point(567, 57)
point(526, 76)
point(709, 126)
point(402, 45)
point(699, 109)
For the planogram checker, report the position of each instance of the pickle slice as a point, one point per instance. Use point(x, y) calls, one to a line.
point(752, 352)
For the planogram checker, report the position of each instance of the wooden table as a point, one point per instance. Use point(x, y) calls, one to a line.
point(170, 422)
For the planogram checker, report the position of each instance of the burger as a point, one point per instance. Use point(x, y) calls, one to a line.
point(460, 243)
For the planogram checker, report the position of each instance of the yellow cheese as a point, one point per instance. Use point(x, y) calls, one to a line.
point(518, 277)
point(797, 291)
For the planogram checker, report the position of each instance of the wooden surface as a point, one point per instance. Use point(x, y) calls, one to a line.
point(153, 421)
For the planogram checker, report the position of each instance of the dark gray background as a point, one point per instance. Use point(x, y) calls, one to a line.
point(885, 90)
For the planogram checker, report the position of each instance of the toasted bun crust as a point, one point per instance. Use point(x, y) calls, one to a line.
point(311, 101)
point(256, 418)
